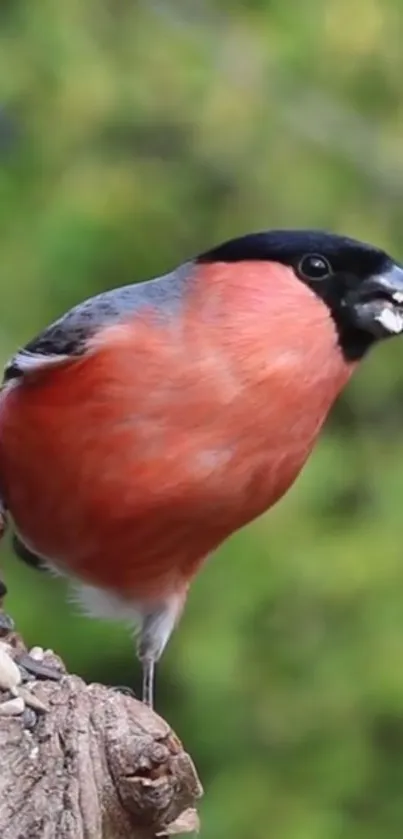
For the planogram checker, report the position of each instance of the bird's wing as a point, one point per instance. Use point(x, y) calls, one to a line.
point(25, 553)
point(68, 336)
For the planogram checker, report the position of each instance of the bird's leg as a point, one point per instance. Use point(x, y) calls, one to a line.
point(156, 628)
point(148, 652)
point(147, 693)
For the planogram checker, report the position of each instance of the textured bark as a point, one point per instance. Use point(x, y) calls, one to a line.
point(96, 764)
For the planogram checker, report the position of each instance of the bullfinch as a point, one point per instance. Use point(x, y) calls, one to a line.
point(150, 422)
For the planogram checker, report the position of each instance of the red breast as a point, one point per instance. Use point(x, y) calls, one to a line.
point(130, 464)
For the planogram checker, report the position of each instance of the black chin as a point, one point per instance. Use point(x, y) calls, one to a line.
point(353, 341)
point(355, 330)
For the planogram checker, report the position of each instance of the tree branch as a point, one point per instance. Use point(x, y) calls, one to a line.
point(90, 763)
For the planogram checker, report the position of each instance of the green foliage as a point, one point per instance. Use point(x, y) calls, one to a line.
point(133, 135)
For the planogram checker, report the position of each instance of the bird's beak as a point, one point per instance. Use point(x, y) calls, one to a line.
point(377, 306)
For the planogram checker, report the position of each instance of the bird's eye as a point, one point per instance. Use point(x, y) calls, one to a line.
point(314, 267)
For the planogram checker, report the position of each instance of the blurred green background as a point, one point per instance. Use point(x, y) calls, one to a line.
point(133, 135)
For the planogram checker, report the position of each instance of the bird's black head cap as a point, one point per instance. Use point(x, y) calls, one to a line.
point(357, 281)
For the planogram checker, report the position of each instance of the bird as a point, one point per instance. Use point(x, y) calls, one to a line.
point(151, 422)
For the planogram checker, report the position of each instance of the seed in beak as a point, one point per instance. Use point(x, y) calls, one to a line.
point(390, 320)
